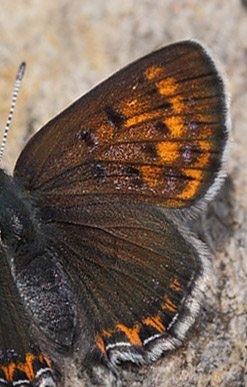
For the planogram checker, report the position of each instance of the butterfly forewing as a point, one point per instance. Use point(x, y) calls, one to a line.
point(153, 132)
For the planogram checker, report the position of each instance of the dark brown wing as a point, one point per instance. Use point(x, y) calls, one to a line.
point(154, 132)
point(138, 280)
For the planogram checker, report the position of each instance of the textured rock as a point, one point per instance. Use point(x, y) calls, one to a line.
point(71, 45)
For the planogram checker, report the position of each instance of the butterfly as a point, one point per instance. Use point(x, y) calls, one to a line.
point(92, 257)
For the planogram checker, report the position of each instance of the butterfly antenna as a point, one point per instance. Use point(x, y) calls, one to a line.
point(19, 77)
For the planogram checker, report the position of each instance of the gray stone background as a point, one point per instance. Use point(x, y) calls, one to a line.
point(69, 46)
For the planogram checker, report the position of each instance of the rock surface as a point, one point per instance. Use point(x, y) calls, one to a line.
point(69, 46)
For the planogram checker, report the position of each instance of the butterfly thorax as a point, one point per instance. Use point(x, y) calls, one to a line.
point(16, 216)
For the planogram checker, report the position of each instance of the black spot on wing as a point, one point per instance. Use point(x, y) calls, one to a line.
point(132, 171)
point(87, 136)
point(150, 150)
point(162, 128)
point(163, 105)
point(115, 118)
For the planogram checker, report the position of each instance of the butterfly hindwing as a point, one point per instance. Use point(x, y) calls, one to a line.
point(134, 273)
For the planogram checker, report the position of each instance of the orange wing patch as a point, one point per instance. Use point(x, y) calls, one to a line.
point(26, 367)
point(178, 104)
point(169, 304)
point(167, 86)
point(155, 322)
point(175, 285)
point(176, 126)
point(100, 343)
point(133, 334)
point(191, 188)
point(8, 371)
point(168, 151)
point(151, 175)
point(153, 72)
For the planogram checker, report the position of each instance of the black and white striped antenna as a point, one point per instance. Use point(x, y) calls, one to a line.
point(18, 80)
